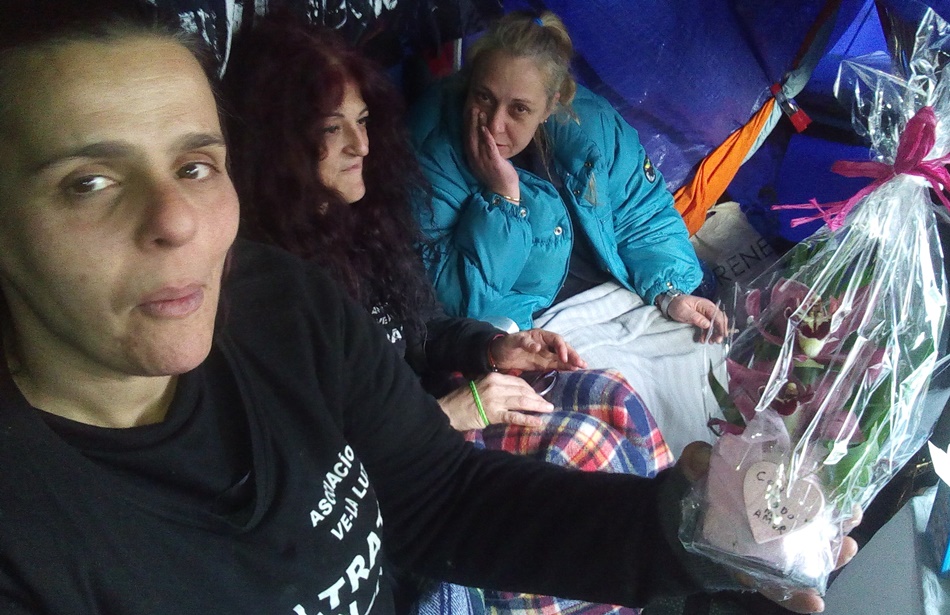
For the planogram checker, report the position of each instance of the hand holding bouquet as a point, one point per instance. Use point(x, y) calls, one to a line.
point(824, 382)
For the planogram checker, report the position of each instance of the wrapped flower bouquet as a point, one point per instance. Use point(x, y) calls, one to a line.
point(835, 344)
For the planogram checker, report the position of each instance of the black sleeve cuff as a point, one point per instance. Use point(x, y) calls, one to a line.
point(707, 575)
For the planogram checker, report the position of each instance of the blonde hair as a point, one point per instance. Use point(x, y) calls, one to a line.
point(542, 38)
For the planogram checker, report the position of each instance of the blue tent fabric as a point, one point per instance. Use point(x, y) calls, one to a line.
point(805, 174)
point(685, 73)
point(802, 163)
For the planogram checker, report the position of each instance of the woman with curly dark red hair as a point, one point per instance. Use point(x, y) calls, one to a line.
point(322, 166)
point(305, 110)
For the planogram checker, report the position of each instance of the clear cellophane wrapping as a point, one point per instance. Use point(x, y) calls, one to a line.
point(832, 353)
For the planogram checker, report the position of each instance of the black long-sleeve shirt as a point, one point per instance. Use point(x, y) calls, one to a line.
point(298, 458)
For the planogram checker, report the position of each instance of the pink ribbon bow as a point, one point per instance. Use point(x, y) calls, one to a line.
point(915, 143)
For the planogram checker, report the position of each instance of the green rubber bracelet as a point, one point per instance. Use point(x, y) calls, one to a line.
point(478, 403)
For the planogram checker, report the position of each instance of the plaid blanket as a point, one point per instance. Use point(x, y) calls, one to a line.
point(599, 424)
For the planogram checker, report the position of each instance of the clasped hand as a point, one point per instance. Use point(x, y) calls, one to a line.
point(507, 398)
point(535, 349)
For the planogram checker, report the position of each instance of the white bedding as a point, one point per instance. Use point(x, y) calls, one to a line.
point(612, 328)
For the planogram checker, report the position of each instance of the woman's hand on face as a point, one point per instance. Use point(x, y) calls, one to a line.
point(535, 349)
point(701, 313)
point(505, 399)
point(694, 464)
point(486, 162)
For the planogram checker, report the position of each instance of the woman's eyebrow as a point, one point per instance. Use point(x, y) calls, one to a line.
point(112, 150)
point(101, 149)
point(342, 116)
point(481, 89)
point(197, 140)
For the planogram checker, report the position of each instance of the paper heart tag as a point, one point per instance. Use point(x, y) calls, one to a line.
point(772, 508)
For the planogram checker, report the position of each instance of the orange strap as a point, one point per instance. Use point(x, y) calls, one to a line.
point(717, 169)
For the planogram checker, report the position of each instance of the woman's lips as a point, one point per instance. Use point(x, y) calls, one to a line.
point(173, 302)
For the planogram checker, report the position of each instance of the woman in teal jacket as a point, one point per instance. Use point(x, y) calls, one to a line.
point(542, 190)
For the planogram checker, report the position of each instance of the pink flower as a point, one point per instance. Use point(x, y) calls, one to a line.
point(814, 392)
point(790, 398)
point(747, 385)
point(814, 330)
point(817, 331)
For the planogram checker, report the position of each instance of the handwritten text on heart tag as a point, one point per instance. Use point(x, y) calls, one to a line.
point(773, 509)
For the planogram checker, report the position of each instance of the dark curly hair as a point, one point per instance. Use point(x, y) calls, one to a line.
point(283, 77)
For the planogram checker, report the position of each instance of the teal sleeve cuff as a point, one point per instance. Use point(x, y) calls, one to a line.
point(495, 200)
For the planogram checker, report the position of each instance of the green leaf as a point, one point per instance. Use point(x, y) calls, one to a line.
point(729, 410)
point(849, 478)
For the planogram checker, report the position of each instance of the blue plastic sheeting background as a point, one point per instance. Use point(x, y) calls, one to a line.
point(686, 73)
point(804, 161)
point(793, 168)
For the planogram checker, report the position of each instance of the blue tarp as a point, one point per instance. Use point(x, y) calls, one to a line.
point(687, 73)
